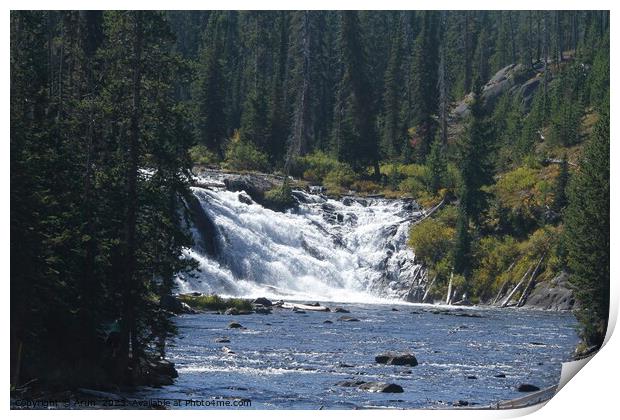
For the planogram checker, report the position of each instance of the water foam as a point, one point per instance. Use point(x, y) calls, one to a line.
point(330, 250)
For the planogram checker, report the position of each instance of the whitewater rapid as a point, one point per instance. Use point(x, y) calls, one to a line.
point(348, 250)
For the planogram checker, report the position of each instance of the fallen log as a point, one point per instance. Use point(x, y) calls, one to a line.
point(449, 295)
point(428, 288)
point(511, 294)
point(429, 213)
point(300, 306)
point(530, 284)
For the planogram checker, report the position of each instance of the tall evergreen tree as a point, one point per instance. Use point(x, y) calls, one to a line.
point(355, 135)
point(424, 95)
point(210, 96)
point(587, 235)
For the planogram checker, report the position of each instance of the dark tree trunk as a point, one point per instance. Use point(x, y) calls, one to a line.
point(128, 324)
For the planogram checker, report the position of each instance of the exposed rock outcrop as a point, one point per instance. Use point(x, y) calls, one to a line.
point(552, 295)
point(397, 359)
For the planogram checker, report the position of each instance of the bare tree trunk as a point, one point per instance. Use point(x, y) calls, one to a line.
point(512, 37)
point(511, 294)
point(298, 144)
point(449, 295)
point(530, 284)
point(467, 36)
point(538, 36)
point(428, 289)
point(443, 101)
point(529, 39)
point(559, 39)
point(128, 324)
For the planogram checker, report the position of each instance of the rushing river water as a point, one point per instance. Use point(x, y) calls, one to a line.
point(289, 360)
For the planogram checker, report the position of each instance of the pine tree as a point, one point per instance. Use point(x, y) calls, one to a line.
point(588, 237)
point(392, 130)
point(437, 166)
point(560, 200)
point(424, 94)
point(475, 158)
point(211, 117)
point(355, 135)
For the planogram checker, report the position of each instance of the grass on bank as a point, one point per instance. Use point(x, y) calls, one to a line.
point(215, 303)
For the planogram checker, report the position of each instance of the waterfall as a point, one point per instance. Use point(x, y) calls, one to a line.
point(349, 250)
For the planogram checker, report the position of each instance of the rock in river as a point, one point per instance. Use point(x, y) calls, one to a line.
point(262, 301)
point(381, 387)
point(262, 310)
point(348, 319)
point(372, 386)
point(398, 359)
point(235, 311)
point(222, 340)
point(235, 325)
point(528, 388)
point(340, 310)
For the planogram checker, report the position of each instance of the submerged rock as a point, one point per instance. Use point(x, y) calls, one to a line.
point(341, 310)
point(222, 340)
point(235, 325)
point(397, 359)
point(235, 311)
point(262, 310)
point(500, 375)
point(527, 388)
point(327, 321)
point(346, 318)
point(372, 386)
point(381, 387)
point(350, 383)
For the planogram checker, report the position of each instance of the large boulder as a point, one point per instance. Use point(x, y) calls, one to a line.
point(381, 387)
point(516, 79)
point(174, 305)
point(397, 359)
point(527, 388)
point(552, 295)
point(262, 301)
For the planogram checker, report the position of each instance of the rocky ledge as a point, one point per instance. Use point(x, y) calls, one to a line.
point(553, 295)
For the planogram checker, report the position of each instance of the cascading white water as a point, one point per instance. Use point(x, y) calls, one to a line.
point(350, 250)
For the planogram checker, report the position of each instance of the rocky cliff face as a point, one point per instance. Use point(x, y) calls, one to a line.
point(552, 295)
point(515, 79)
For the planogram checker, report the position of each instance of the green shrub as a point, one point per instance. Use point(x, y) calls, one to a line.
point(215, 302)
point(201, 155)
point(340, 177)
point(243, 155)
point(314, 167)
point(413, 186)
point(493, 256)
point(431, 240)
point(522, 198)
point(279, 198)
